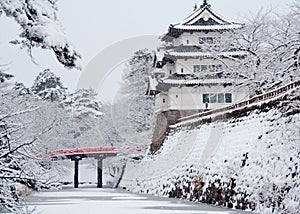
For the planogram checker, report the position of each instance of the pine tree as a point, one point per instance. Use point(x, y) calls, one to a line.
point(21, 89)
point(134, 86)
point(132, 116)
point(86, 112)
point(49, 87)
point(40, 28)
point(83, 102)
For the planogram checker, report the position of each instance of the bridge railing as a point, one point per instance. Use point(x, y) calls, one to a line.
point(82, 151)
point(256, 99)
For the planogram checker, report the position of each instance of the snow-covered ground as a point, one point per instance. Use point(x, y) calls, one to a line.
point(92, 200)
point(246, 163)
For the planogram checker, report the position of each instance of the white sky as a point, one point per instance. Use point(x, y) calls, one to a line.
point(93, 25)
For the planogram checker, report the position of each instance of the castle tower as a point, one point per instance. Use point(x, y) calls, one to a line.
point(192, 62)
point(190, 70)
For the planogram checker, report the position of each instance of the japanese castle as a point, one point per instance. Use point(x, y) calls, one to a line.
point(190, 65)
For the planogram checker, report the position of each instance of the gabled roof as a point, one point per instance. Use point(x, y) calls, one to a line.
point(205, 18)
point(202, 19)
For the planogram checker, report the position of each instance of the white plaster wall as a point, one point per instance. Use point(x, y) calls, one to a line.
point(188, 65)
point(191, 98)
point(160, 106)
point(167, 68)
point(194, 37)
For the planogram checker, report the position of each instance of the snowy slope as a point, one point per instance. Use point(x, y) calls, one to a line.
point(246, 163)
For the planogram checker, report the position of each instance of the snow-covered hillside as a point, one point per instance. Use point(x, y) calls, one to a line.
point(250, 162)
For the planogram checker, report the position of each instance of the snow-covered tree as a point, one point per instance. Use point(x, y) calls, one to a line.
point(22, 89)
point(132, 114)
point(135, 75)
point(134, 87)
point(29, 127)
point(40, 28)
point(84, 102)
point(49, 87)
point(109, 133)
point(86, 112)
point(19, 147)
point(3, 75)
point(272, 42)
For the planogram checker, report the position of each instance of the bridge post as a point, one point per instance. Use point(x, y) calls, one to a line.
point(76, 171)
point(99, 172)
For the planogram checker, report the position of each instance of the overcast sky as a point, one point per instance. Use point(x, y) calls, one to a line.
point(93, 25)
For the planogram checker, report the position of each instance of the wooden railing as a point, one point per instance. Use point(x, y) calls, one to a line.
point(256, 99)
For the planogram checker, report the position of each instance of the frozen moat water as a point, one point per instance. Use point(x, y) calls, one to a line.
point(87, 200)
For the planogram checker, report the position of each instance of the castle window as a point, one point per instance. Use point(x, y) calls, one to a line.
point(228, 98)
point(206, 40)
point(170, 71)
point(209, 40)
point(164, 100)
point(203, 67)
point(221, 98)
point(219, 67)
point(176, 96)
point(217, 98)
point(212, 68)
point(181, 70)
point(196, 68)
point(187, 42)
point(205, 98)
point(213, 98)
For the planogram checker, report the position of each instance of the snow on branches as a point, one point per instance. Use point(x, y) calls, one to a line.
point(83, 102)
point(272, 42)
point(134, 85)
point(86, 113)
point(41, 28)
point(49, 87)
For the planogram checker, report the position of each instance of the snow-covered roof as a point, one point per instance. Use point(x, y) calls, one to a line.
point(205, 54)
point(202, 19)
point(166, 83)
point(205, 18)
point(207, 27)
point(198, 81)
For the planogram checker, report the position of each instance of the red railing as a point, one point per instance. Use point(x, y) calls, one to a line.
point(100, 150)
point(87, 151)
point(255, 99)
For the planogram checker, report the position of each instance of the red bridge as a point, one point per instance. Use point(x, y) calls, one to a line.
point(89, 152)
point(78, 154)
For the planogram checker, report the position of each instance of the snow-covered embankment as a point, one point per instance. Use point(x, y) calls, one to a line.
point(250, 162)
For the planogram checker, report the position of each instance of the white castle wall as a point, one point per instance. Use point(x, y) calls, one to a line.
point(193, 38)
point(190, 98)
